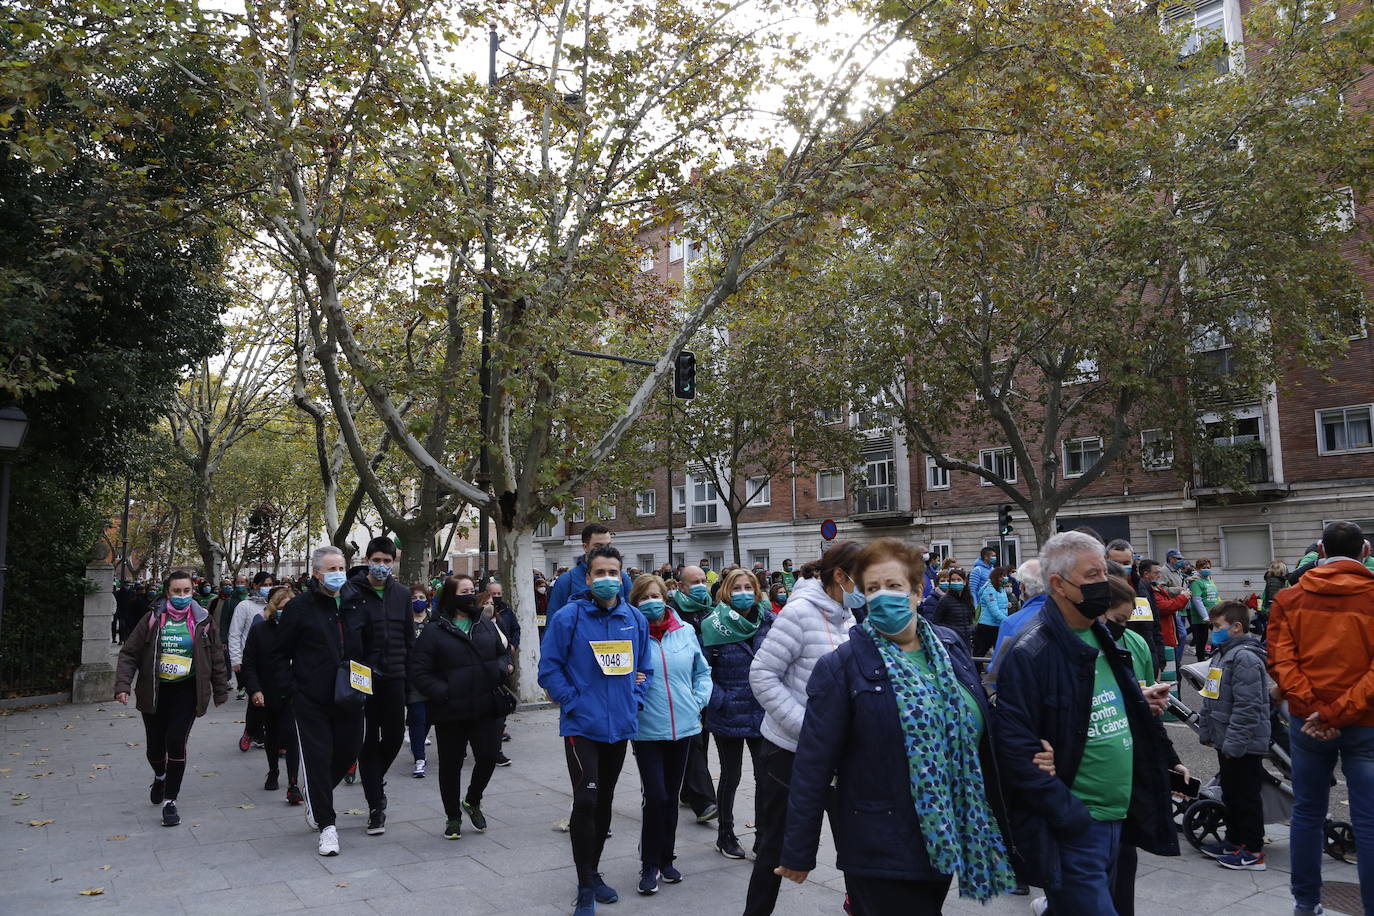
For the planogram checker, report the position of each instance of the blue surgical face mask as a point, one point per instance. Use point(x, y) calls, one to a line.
point(334, 580)
point(264, 590)
point(742, 601)
point(606, 588)
point(1205, 573)
point(889, 611)
point(854, 600)
point(652, 608)
point(419, 605)
point(181, 602)
point(378, 571)
point(1220, 636)
point(781, 599)
point(701, 593)
point(955, 587)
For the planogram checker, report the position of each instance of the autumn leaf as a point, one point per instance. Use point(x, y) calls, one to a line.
point(43, 823)
point(93, 892)
point(246, 807)
point(341, 884)
point(353, 811)
point(120, 836)
point(106, 867)
point(100, 766)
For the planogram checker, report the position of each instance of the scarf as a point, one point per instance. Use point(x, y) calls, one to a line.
point(947, 789)
point(689, 605)
point(663, 625)
point(726, 625)
point(181, 616)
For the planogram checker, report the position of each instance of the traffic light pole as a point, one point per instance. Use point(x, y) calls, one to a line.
point(671, 567)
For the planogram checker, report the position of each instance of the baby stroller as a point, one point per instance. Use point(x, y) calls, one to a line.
point(1202, 819)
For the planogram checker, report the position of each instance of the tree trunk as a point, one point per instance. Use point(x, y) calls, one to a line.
point(211, 553)
point(515, 557)
point(734, 534)
point(1043, 523)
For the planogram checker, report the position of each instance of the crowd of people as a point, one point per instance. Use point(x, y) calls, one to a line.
point(997, 727)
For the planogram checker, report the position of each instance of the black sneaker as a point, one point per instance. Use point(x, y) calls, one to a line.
point(293, 794)
point(670, 874)
point(271, 782)
point(479, 822)
point(170, 818)
point(728, 846)
point(505, 736)
point(376, 822)
point(155, 791)
point(453, 828)
point(648, 880)
point(502, 760)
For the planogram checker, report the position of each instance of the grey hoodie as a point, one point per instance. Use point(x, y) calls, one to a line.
point(1237, 721)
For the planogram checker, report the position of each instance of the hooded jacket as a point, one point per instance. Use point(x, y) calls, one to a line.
point(733, 712)
point(1321, 643)
point(977, 578)
point(1237, 721)
point(573, 584)
point(247, 610)
point(812, 626)
point(260, 675)
point(680, 688)
point(458, 673)
point(393, 625)
point(138, 659)
point(594, 704)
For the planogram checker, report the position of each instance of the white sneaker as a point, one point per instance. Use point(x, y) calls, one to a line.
point(329, 842)
point(1039, 905)
point(428, 741)
point(419, 769)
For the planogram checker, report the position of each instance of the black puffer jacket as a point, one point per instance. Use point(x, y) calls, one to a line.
point(458, 672)
point(393, 628)
point(260, 675)
point(956, 613)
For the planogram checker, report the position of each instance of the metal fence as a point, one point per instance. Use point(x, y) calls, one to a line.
point(38, 656)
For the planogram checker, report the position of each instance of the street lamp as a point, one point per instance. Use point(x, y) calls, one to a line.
point(14, 424)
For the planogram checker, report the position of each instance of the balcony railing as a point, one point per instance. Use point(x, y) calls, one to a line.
point(875, 499)
point(1223, 471)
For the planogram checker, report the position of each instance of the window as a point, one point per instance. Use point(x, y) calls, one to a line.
point(680, 500)
point(646, 503)
point(1011, 550)
point(1246, 547)
point(645, 561)
point(759, 556)
point(1304, 11)
point(676, 247)
point(872, 416)
point(1161, 541)
point(647, 260)
point(759, 491)
point(879, 490)
point(1208, 23)
point(937, 478)
point(830, 485)
point(605, 509)
point(544, 529)
point(1342, 217)
point(829, 415)
point(1344, 429)
point(1243, 430)
point(1081, 454)
point(1156, 449)
point(577, 512)
point(1084, 371)
point(704, 506)
point(1000, 461)
point(939, 552)
point(693, 252)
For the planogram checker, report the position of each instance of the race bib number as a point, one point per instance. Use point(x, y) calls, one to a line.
point(1212, 689)
point(615, 656)
point(173, 667)
point(541, 620)
point(1141, 613)
point(360, 677)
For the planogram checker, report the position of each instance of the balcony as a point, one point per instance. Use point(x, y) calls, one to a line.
point(877, 505)
point(1241, 469)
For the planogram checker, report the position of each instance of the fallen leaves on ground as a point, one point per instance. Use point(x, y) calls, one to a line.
point(6, 769)
point(209, 774)
point(246, 807)
point(43, 823)
point(354, 811)
point(106, 867)
point(341, 884)
point(118, 836)
point(93, 892)
point(133, 743)
point(100, 766)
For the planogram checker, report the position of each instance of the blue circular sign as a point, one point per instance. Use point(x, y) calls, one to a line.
point(829, 529)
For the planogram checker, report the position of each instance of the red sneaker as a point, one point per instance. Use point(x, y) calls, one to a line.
point(245, 743)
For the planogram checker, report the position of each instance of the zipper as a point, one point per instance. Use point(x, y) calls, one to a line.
point(667, 686)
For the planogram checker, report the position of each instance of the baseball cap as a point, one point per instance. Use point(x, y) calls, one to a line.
point(1173, 553)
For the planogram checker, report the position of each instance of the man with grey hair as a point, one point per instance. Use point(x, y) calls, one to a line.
point(1032, 600)
point(327, 646)
point(1063, 684)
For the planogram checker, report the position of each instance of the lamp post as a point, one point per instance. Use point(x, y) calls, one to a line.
point(14, 424)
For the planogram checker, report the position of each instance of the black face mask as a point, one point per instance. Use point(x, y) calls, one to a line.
point(1116, 629)
point(465, 604)
point(1097, 597)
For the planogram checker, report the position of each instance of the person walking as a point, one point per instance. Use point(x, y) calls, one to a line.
point(1321, 654)
point(954, 610)
point(247, 611)
point(596, 664)
point(174, 663)
point(669, 719)
point(326, 644)
point(692, 604)
point(268, 692)
point(894, 746)
point(816, 623)
point(992, 603)
point(573, 583)
point(461, 665)
point(417, 719)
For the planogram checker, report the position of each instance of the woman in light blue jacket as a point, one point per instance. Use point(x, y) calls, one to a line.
point(992, 609)
point(668, 718)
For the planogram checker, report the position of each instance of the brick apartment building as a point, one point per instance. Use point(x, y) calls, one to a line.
point(1309, 444)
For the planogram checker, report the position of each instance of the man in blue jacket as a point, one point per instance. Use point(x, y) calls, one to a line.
point(573, 583)
point(978, 576)
point(1062, 683)
point(595, 665)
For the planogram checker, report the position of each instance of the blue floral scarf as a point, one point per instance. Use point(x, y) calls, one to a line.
point(961, 834)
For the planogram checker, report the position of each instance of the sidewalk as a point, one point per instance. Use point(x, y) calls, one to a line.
point(241, 850)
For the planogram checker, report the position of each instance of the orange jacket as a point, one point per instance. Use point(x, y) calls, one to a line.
point(1321, 643)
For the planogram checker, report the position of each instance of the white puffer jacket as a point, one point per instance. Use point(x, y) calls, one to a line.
point(810, 626)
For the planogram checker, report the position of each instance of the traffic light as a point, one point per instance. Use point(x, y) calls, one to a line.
point(1004, 527)
point(685, 375)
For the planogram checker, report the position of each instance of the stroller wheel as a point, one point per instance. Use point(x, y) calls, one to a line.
point(1203, 821)
point(1340, 841)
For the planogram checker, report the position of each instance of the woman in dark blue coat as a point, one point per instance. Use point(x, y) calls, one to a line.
point(731, 637)
point(895, 723)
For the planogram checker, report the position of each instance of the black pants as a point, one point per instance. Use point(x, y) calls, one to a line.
point(384, 728)
point(255, 722)
point(698, 791)
point(731, 751)
point(889, 897)
point(417, 723)
point(330, 738)
point(1200, 632)
point(662, 765)
point(279, 734)
point(1241, 781)
point(167, 730)
point(453, 738)
point(984, 638)
point(594, 768)
point(773, 781)
point(1123, 880)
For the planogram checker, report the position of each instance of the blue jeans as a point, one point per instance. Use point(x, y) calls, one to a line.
point(1313, 764)
point(417, 721)
point(1087, 866)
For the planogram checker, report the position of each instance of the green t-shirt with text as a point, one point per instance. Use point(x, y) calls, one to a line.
point(1103, 781)
point(174, 659)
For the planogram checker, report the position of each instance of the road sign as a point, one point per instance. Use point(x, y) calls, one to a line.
point(829, 529)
